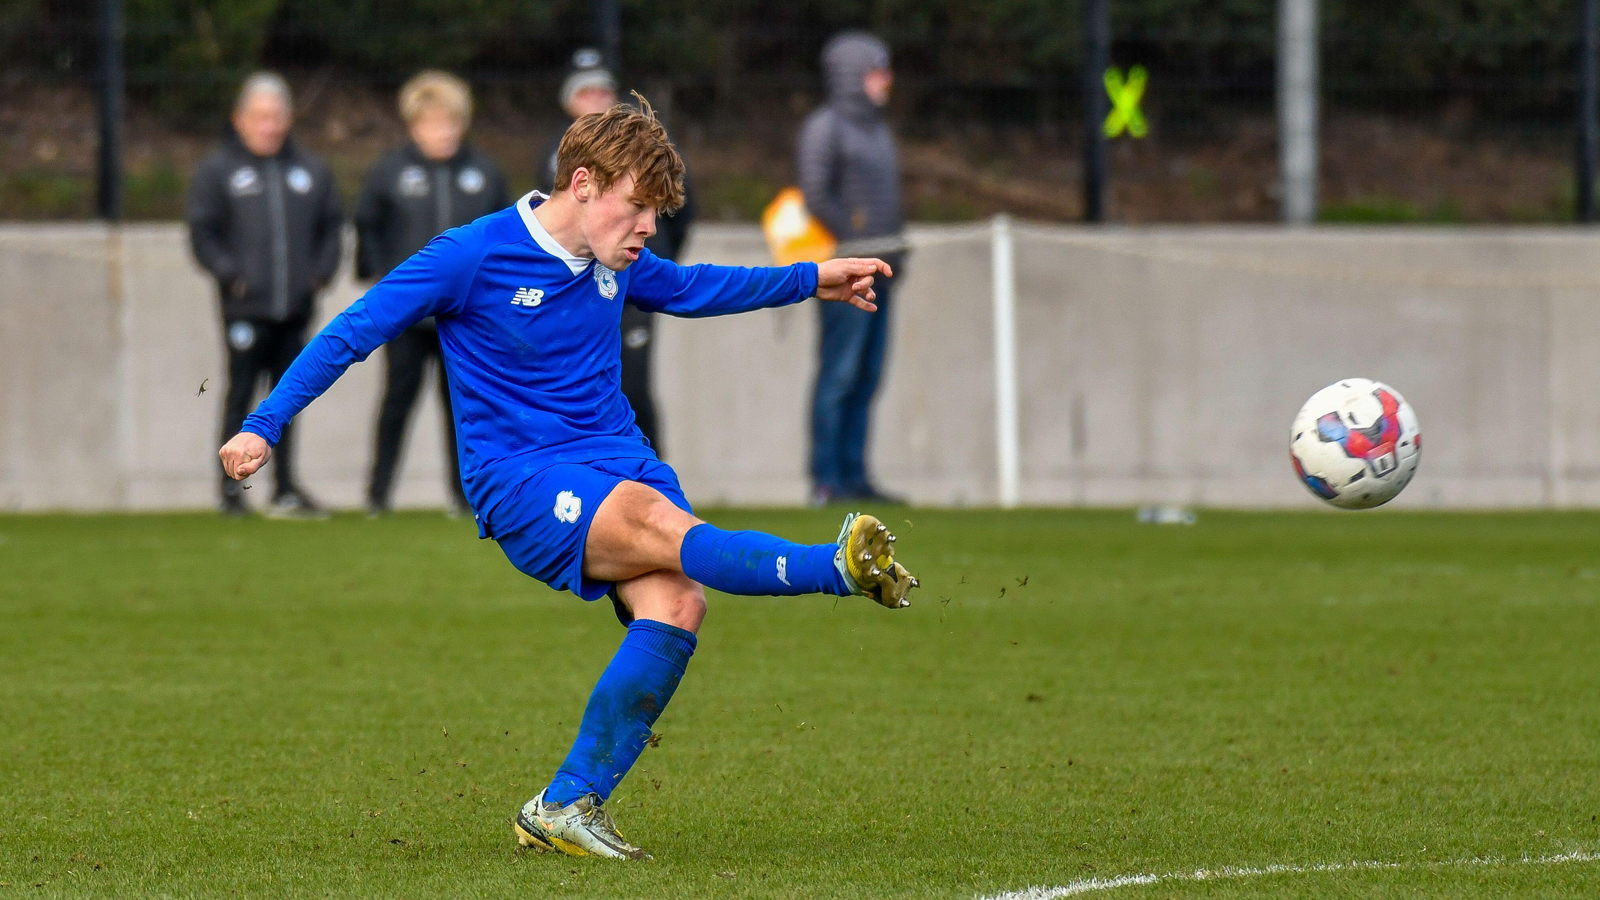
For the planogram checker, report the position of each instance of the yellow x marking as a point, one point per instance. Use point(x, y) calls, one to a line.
point(1125, 95)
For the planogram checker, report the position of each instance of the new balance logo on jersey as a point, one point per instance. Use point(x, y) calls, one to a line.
point(528, 297)
point(783, 569)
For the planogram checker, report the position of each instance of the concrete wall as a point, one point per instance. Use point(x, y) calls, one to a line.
point(1157, 365)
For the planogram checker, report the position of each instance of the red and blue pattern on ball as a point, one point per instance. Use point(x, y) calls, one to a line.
point(1318, 485)
point(1371, 444)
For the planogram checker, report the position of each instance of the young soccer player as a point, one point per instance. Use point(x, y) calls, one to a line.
point(528, 302)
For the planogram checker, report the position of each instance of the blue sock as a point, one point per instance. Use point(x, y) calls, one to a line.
point(756, 564)
point(631, 693)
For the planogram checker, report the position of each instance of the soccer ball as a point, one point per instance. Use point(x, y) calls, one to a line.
point(1356, 443)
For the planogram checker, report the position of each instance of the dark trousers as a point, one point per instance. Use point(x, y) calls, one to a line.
point(849, 368)
point(407, 357)
point(638, 337)
point(256, 349)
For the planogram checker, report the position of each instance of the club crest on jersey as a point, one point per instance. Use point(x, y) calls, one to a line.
point(527, 297)
point(300, 180)
point(606, 280)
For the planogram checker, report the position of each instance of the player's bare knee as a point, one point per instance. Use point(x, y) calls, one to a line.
point(687, 607)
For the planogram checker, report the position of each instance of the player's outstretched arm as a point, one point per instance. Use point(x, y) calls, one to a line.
point(850, 281)
point(430, 283)
point(657, 285)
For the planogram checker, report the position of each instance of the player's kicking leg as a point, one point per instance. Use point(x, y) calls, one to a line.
point(658, 555)
point(638, 530)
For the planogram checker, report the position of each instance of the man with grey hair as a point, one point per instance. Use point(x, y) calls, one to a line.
point(264, 219)
point(849, 172)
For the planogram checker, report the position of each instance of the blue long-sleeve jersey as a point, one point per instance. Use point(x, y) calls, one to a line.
point(531, 341)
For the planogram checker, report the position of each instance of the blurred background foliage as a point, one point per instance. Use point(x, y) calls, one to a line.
point(960, 58)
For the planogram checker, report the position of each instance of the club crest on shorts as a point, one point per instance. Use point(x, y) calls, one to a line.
point(606, 280)
point(241, 336)
point(568, 507)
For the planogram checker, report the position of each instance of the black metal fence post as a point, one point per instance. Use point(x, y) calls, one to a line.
point(112, 84)
point(1096, 57)
point(608, 33)
point(1588, 101)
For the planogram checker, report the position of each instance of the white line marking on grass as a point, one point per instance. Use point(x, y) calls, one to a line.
point(1094, 885)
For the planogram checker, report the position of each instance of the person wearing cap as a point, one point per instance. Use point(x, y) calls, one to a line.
point(433, 182)
point(849, 172)
point(591, 88)
point(264, 220)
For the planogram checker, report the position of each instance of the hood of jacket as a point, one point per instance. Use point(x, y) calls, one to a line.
point(845, 62)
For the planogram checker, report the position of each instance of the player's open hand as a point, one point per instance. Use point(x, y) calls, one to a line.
point(244, 455)
point(850, 281)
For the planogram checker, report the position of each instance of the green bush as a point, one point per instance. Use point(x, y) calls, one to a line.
point(188, 57)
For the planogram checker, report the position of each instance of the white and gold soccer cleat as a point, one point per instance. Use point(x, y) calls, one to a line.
point(581, 828)
point(866, 559)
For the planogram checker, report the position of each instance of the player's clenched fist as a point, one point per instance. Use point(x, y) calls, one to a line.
point(850, 281)
point(244, 455)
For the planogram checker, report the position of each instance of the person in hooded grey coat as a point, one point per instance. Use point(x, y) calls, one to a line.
point(849, 172)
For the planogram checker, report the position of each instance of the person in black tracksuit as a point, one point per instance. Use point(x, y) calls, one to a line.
point(264, 219)
point(590, 88)
point(412, 194)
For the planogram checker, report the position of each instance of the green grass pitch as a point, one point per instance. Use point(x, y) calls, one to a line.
point(193, 707)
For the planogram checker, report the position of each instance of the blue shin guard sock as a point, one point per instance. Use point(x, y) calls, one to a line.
point(756, 564)
point(629, 697)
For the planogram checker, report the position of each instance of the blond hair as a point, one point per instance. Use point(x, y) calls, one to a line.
point(433, 88)
point(622, 141)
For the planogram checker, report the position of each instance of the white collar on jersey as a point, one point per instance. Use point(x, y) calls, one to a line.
point(541, 237)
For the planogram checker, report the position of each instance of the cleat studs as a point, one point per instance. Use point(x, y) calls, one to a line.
point(875, 571)
point(866, 555)
point(891, 538)
point(882, 527)
point(916, 583)
point(904, 603)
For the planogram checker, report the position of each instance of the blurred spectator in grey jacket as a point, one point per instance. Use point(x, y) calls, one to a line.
point(414, 193)
point(849, 171)
point(264, 219)
point(591, 88)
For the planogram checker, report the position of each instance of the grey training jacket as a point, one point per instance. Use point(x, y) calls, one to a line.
point(849, 168)
point(267, 229)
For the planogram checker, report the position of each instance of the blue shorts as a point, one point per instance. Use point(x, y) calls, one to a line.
point(547, 518)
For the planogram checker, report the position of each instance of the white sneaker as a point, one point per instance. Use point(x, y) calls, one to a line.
point(581, 828)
